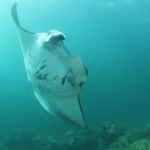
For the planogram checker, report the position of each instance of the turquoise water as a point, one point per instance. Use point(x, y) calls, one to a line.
point(112, 38)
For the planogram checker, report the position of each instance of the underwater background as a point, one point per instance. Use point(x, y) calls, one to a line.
point(113, 39)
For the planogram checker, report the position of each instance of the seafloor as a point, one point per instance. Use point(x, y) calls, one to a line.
point(105, 137)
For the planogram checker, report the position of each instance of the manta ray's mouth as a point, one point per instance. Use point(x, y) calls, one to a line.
point(49, 45)
point(56, 35)
point(58, 44)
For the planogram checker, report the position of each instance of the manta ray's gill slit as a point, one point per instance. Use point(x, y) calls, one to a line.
point(55, 77)
point(63, 80)
point(37, 72)
point(45, 75)
point(42, 67)
point(42, 77)
point(44, 61)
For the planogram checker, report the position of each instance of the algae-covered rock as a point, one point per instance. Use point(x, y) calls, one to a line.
point(19, 140)
point(143, 144)
point(137, 133)
point(43, 142)
point(79, 140)
point(110, 133)
point(121, 144)
point(105, 137)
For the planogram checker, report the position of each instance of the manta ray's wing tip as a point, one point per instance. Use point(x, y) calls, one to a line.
point(14, 7)
point(14, 13)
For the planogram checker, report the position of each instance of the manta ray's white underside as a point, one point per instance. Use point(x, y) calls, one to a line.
point(56, 76)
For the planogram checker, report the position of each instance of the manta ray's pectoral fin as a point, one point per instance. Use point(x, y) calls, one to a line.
point(68, 108)
point(64, 107)
point(25, 36)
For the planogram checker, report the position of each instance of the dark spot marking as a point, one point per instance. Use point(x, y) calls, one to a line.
point(55, 77)
point(39, 77)
point(42, 77)
point(45, 75)
point(63, 80)
point(37, 72)
point(44, 61)
point(42, 67)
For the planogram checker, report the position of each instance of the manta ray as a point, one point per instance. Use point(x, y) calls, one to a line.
point(56, 75)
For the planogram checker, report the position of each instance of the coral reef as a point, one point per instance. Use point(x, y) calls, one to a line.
point(106, 137)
